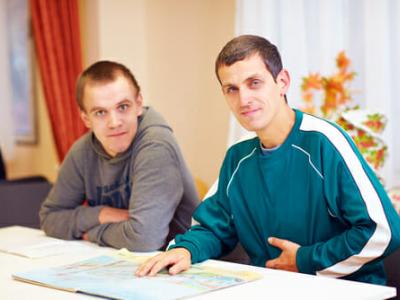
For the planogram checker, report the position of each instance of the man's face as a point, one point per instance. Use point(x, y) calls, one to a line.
point(111, 112)
point(251, 92)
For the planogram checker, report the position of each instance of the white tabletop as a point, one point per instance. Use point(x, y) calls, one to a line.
point(274, 284)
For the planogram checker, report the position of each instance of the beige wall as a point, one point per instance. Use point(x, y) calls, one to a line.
point(171, 47)
point(183, 44)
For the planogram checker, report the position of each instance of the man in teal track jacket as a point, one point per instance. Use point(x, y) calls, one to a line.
point(298, 197)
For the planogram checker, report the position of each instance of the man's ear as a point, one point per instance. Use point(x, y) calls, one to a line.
point(283, 80)
point(139, 103)
point(85, 119)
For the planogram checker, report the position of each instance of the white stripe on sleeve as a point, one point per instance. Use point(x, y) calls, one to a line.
point(381, 237)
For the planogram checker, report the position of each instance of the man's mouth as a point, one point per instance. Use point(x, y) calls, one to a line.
point(116, 134)
point(249, 112)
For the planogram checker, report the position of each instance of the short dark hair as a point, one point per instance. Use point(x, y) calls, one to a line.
point(103, 71)
point(244, 46)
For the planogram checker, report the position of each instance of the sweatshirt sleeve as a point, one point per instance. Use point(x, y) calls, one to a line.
point(213, 237)
point(216, 233)
point(157, 189)
point(62, 214)
point(358, 201)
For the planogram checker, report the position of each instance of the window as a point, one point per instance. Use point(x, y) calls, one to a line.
point(20, 44)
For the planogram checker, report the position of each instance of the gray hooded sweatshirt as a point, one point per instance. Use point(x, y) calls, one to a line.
point(150, 179)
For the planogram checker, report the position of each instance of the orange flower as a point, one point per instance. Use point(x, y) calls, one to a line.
point(333, 87)
point(307, 97)
point(313, 81)
point(342, 62)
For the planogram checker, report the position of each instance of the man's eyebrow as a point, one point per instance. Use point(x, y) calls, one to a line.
point(250, 77)
point(124, 101)
point(227, 85)
point(253, 76)
point(96, 108)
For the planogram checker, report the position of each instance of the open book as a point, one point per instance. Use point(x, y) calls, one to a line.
point(113, 277)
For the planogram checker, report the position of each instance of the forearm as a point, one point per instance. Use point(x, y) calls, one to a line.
point(370, 235)
point(148, 223)
point(62, 214)
point(69, 223)
point(200, 242)
point(128, 235)
point(215, 236)
point(359, 230)
point(342, 255)
point(157, 190)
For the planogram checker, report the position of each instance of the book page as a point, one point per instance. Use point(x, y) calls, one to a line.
point(14, 240)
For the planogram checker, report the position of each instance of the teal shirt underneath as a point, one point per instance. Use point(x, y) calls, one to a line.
point(315, 190)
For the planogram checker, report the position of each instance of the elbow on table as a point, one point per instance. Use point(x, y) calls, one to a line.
point(53, 227)
point(144, 241)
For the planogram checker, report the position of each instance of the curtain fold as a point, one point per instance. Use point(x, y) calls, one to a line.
point(56, 34)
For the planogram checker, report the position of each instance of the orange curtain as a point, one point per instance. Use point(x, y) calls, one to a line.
point(56, 34)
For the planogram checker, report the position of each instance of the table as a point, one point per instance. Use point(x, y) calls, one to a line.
point(275, 284)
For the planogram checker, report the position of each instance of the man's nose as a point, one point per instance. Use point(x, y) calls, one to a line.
point(114, 120)
point(244, 97)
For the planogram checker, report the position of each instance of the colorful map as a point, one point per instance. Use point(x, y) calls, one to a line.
point(113, 277)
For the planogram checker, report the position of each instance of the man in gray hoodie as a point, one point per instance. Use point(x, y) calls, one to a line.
point(125, 182)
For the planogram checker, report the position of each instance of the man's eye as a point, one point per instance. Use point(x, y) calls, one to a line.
point(99, 113)
point(231, 90)
point(123, 107)
point(255, 82)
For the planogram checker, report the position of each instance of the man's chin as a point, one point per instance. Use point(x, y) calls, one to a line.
point(121, 150)
point(117, 151)
point(249, 127)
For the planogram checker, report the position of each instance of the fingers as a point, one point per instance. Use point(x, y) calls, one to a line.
point(179, 259)
point(281, 263)
point(276, 242)
point(145, 268)
point(85, 236)
point(279, 243)
point(287, 258)
point(180, 266)
point(166, 260)
point(273, 263)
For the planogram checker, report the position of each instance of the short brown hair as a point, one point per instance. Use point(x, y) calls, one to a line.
point(103, 71)
point(244, 46)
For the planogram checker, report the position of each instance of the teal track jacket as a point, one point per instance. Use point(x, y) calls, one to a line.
point(315, 190)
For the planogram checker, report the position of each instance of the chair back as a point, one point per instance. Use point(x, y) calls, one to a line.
point(3, 172)
point(20, 202)
point(392, 269)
